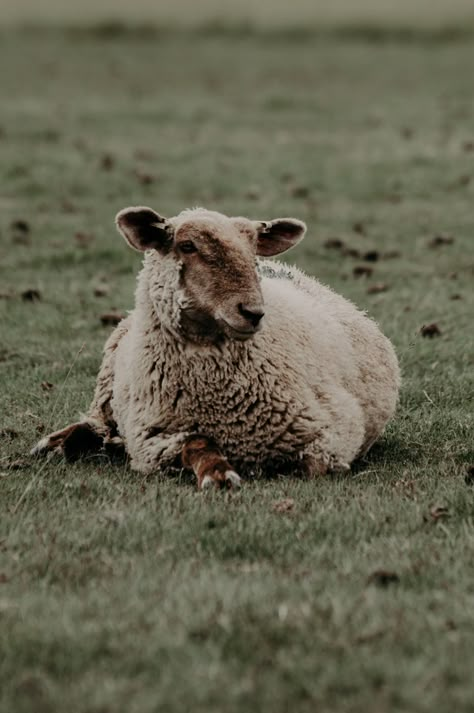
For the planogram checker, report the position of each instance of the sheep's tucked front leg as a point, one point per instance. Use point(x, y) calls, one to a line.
point(98, 430)
point(211, 468)
point(76, 440)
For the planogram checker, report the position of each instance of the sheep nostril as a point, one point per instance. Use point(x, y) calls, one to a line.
point(251, 313)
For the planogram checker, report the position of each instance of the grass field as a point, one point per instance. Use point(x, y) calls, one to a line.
point(119, 593)
point(418, 15)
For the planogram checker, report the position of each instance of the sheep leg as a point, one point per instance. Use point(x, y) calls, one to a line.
point(211, 468)
point(98, 429)
point(73, 442)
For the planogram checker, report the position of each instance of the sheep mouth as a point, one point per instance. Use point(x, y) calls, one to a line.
point(240, 335)
point(199, 325)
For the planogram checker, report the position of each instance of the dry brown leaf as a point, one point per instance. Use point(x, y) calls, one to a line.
point(359, 227)
point(430, 330)
point(16, 464)
point(111, 318)
point(351, 252)
point(469, 477)
point(253, 193)
point(376, 288)
point(438, 512)
point(284, 506)
point(31, 295)
point(144, 178)
point(20, 226)
point(83, 239)
point(439, 240)
point(107, 162)
point(8, 433)
point(334, 244)
point(383, 578)
point(362, 271)
point(101, 291)
point(371, 256)
point(300, 192)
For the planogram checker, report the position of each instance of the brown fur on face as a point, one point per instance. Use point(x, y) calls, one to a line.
point(219, 279)
point(219, 288)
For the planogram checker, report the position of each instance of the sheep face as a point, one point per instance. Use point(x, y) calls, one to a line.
point(203, 268)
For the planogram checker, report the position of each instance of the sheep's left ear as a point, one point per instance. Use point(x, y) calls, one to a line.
point(143, 229)
point(277, 236)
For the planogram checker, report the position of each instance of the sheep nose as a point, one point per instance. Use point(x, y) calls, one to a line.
point(252, 313)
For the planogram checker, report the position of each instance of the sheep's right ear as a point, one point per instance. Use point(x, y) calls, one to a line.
point(143, 229)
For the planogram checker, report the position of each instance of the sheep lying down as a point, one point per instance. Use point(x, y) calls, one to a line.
point(229, 361)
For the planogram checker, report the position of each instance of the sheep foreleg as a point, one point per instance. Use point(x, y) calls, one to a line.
point(211, 468)
point(76, 440)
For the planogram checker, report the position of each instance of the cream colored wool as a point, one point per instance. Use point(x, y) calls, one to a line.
point(317, 384)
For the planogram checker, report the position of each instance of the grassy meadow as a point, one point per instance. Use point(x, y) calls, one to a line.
point(123, 593)
point(417, 15)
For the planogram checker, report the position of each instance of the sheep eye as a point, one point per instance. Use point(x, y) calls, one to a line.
point(187, 247)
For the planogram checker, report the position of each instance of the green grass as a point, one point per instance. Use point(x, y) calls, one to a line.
point(119, 593)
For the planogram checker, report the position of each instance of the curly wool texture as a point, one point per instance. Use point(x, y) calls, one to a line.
point(317, 384)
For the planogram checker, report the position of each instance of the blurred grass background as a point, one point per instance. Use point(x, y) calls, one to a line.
point(265, 14)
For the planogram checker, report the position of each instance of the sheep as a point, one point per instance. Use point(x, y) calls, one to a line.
point(229, 355)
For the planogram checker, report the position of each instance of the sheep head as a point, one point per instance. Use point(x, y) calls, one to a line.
point(205, 264)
